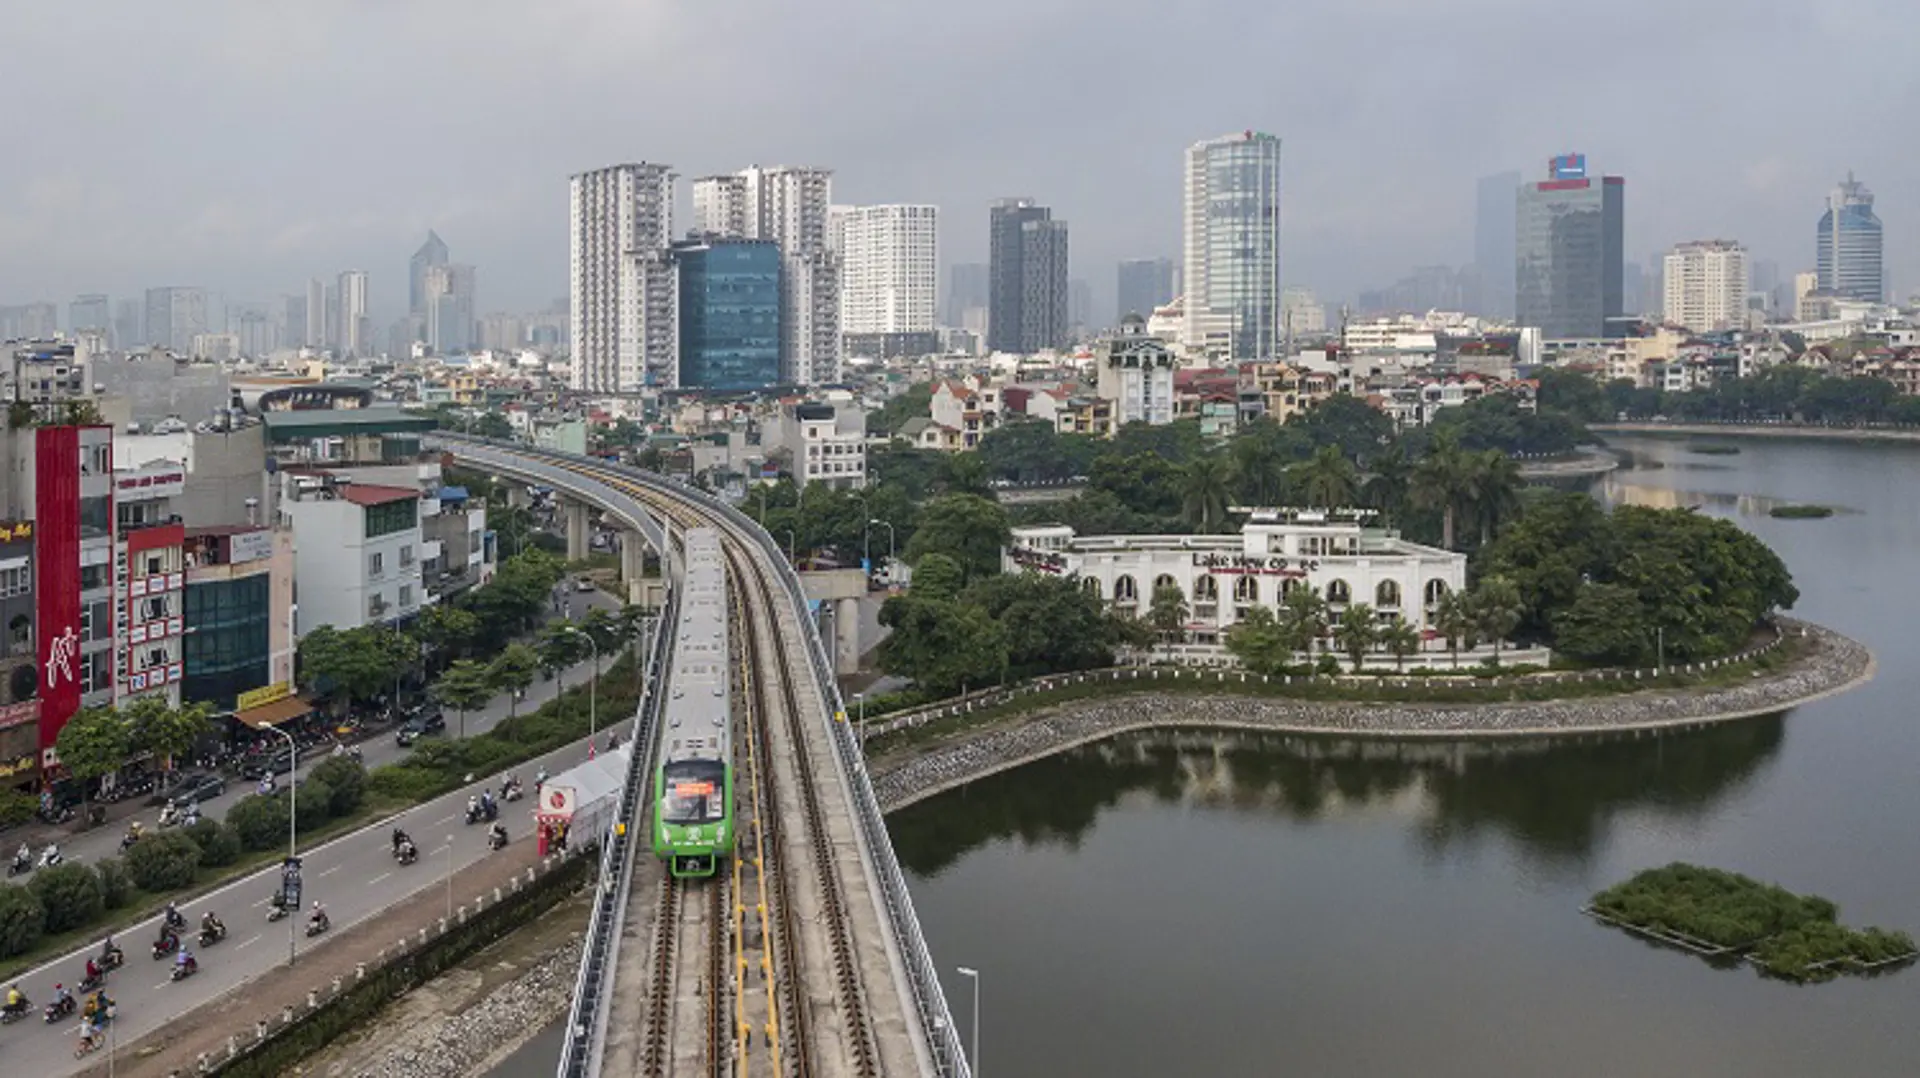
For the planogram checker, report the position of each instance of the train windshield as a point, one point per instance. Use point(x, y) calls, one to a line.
point(695, 792)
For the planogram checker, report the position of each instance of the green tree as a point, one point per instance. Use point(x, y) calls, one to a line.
point(93, 743)
point(115, 887)
point(1605, 624)
point(1031, 451)
point(1357, 633)
point(965, 473)
point(1260, 642)
point(1260, 454)
point(464, 686)
point(219, 845)
point(1388, 480)
point(969, 529)
point(944, 647)
point(346, 779)
point(1443, 482)
point(1167, 612)
point(162, 861)
point(1453, 620)
point(312, 804)
point(22, 920)
point(359, 663)
point(1327, 480)
point(1303, 618)
point(938, 576)
point(1495, 603)
point(1494, 487)
point(916, 400)
point(70, 894)
point(560, 646)
point(167, 732)
point(260, 822)
point(1203, 501)
point(1048, 623)
point(512, 671)
point(1356, 428)
point(1401, 639)
point(1575, 393)
point(444, 630)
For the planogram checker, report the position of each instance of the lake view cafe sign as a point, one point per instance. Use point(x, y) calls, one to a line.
point(1049, 561)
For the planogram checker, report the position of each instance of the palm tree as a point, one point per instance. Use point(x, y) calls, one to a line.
point(1259, 470)
point(1495, 490)
point(1328, 479)
point(1357, 633)
point(1167, 612)
point(1303, 616)
point(1401, 638)
point(1443, 480)
point(1496, 609)
point(1389, 476)
point(1203, 505)
point(1453, 619)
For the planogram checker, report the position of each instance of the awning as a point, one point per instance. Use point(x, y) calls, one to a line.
point(289, 707)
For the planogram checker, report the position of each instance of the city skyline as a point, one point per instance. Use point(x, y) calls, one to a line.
point(1377, 182)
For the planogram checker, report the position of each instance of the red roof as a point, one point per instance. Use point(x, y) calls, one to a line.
point(373, 494)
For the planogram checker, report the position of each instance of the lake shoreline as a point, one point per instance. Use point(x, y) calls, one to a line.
point(1782, 431)
point(1834, 665)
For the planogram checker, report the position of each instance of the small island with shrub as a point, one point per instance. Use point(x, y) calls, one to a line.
point(1726, 916)
point(1712, 449)
point(1800, 512)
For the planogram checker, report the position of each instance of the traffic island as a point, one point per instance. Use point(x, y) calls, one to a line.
point(267, 1026)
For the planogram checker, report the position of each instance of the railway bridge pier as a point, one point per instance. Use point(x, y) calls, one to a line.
point(839, 591)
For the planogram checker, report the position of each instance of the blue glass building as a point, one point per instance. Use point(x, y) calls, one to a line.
point(1848, 250)
point(729, 313)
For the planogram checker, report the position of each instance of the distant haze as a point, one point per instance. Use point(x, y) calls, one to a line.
point(247, 146)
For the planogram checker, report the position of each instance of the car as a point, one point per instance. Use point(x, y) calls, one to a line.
point(278, 762)
point(583, 583)
point(193, 789)
point(420, 724)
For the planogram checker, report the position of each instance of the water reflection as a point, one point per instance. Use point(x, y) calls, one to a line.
point(1556, 799)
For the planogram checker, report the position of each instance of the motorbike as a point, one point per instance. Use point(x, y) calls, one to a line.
point(169, 816)
point(315, 926)
point(496, 840)
point(127, 841)
point(475, 814)
point(165, 946)
point(183, 970)
point(406, 854)
point(276, 907)
point(111, 957)
point(13, 1012)
point(60, 1008)
point(50, 857)
point(93, 984)
point(213, 935)
point(19, 867)
point(510, 792)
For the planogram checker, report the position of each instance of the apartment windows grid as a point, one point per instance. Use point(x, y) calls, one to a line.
point(390, 517)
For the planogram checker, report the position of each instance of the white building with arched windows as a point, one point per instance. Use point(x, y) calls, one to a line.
point(1221, 576)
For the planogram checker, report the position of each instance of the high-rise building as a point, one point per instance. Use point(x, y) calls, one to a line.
point(1079, 305)
point(175, 316)
point(29, 321)
point(1027, 278)
point(729, 313)
point(1569, 251)
point(1848, 249)
point(431, 253)
point(1706, 286)
point(127, 329)
point(88, 311)
point(1493, 244)
point(448, 318)
point(1233, 242)
point(969, 290)
point(889, 279)
point(317, 314)
point(792, 207)
point(252, 327)
point(1144, 284)
point(293, 321)
point(624, 306)
point(351, 334)
point(1301, 313)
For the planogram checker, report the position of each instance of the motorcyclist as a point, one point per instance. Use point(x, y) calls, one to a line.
point(23, 858)
point(211, 925)
point(497, 834)
point(62, 999)
point(399, 839)
point(108, 949)
point(473, 807)
point(185, 960)
point(174, 920)
point(50, 856)
point(169, 814)
point(16, 999)
point(319, 917)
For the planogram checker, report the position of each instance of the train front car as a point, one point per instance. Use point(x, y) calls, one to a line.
point(693, 784)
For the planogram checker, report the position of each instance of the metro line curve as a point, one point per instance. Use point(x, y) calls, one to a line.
point(825, 952)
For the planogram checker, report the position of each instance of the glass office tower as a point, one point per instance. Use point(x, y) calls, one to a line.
point(729, 313)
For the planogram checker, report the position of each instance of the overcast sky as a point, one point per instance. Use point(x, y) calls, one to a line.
point(249, 144)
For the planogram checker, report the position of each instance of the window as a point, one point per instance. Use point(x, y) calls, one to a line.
point(1091, 586)
point(406, 596)
point(1338, 593)
point(1124, 590)
point(1206, 590)
point(376, 564)
point(93, 577)
point(406, 557)
point(96, 671)
point(155, 564)
point(96, 622)
point(1246, 589)
point(16, 581)
point(1436, 590)
point(1387, 595)
point(390, 517)
point(1165, 581)
point(155, 607)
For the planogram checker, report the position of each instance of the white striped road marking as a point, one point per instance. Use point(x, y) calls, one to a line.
point(248, 943)
point(378, 878)
point(331, 871)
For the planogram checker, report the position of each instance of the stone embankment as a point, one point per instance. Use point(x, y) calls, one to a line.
point(1589, 460)
point(477, 1038)
point(1830, 663)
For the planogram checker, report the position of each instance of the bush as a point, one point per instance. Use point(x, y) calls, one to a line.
point(260, 823)
point(22, 920)
point(219, 846)
point(345, 776)
point(312, 804)
point(165, 861)
point(16, 807)
point(115, 887)
point(70, 893)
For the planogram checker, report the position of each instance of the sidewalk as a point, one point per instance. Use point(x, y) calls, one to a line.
point(104, 841)
point(178, 1045)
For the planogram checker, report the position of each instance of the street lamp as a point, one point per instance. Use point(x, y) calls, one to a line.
point(293, 850)
point(974, 976)
point(592, 722)
point(449, 877)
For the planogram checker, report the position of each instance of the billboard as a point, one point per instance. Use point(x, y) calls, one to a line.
point(1568, 166)
point(249, 546)
point(57, 583)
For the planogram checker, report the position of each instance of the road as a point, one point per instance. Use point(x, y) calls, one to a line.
point(355, 876)
point(105, 841)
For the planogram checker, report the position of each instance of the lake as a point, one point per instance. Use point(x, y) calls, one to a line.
point(1161, 904)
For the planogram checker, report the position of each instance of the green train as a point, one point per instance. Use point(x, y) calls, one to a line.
point(693, 781)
